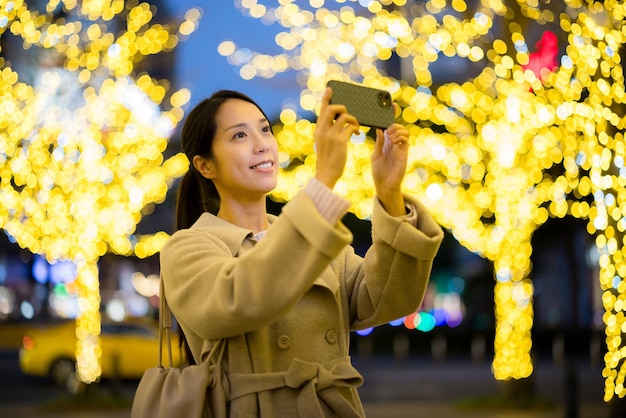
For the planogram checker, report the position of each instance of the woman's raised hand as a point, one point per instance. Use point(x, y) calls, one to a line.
point(389, 161)
point(333, 130)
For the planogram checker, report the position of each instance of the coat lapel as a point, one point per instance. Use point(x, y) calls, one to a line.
point(328, 279)
point(231, 235)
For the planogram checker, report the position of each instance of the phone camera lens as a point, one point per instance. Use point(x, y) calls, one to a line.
point(384, 99)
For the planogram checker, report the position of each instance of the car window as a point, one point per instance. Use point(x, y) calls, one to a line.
point(126, 329)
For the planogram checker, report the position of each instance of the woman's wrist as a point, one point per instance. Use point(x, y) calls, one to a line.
point(325, 180)
point(392, 202)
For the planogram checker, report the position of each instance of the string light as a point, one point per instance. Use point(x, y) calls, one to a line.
point(493, 157)
point(81, 148)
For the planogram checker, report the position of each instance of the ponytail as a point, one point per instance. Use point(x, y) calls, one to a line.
point(196, 195)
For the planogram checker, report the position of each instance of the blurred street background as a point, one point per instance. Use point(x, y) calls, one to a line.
point(436, 362)
point(414, 387)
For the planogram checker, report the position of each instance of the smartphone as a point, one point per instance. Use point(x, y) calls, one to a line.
point(371, 107)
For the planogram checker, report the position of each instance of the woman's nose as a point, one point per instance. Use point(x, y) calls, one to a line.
point(261, 144)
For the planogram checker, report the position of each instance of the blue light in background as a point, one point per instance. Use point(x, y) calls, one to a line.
point(366, 331)
point(40, 270)
point(397, 322)
point(62, 272)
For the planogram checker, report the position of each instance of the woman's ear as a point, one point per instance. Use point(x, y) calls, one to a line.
point(204, 167)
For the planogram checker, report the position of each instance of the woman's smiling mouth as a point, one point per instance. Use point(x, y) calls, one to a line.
point(263, 166)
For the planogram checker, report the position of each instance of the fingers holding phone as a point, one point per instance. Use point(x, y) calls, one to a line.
point(333, 130)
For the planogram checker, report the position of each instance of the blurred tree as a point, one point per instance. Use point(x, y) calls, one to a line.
point(81, 146)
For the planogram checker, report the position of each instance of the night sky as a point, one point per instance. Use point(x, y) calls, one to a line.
point(200, 68)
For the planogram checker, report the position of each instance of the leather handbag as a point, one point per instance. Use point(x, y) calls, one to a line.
point(194, 391)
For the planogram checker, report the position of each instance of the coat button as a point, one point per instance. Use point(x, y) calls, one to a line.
point(284, 342)
point(331, 337)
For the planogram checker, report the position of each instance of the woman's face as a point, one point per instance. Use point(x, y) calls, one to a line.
point(245, 152)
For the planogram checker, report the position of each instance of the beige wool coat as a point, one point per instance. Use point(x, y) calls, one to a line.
point(287, 303)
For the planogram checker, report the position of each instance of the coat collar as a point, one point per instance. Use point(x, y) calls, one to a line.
point(232, 235)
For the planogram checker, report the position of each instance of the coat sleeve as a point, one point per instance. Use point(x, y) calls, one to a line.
point(391, 280)
point(217, 295)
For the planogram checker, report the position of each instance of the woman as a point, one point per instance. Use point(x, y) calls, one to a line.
point(286, 291)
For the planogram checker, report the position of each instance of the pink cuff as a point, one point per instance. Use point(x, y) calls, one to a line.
point(330, 205)
point(411, 214)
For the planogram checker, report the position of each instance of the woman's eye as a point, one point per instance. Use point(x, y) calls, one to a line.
point(267, 129)
point(239, 135)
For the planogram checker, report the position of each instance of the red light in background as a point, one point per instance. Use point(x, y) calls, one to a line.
point(409, 321)
point(28, 343)
point(543, 60)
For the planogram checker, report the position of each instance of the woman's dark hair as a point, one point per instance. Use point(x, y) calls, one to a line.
point(197, 194)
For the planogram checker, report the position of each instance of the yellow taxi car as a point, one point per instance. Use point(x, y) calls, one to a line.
point(128, 349)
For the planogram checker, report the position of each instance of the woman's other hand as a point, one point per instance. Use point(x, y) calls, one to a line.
point(389, 161)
